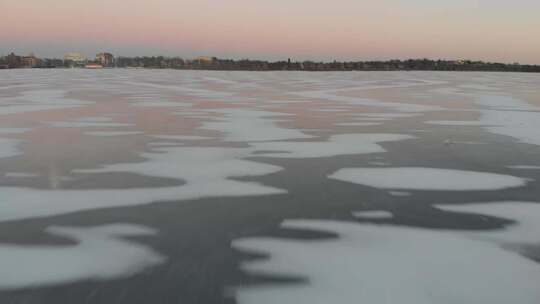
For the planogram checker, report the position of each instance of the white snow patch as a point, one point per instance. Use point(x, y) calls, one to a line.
point(503, 115)
point(82, 124)
point(206, 172)
point(332, 95)
point(112, 133)
point(357, 124)
point(181, 137)
point(38, 100)
point(379, 119)
point(526, 214)
point(158, 103)
point(418, 178)
point(399, 193)
point(521, 125)
point(388, 115)
point(387, 264)
point(100, 254)
point(13, 130)
point(345, 144)
point(9, 147)
point(20, 175)
point(373, 214)
point(463, 123)
point(95, 119)
point(378, 163)
point(165, 144)
point(251, 125)
point(524, 167)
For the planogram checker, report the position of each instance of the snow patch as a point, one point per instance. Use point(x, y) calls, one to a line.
point(251, 125)
point(345, 144)
point(418, 178)
point(386, 264)
point(100, 254)
point(373, 214)
point(206, 172)
point(112, 133)
point(9, 147)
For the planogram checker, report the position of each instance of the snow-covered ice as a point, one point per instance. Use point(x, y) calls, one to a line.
point(250, 125)
point(417, 178)
point(9, 147)
point(373, 214)
point(336, 145)
point(100, 253)
point(387, 264)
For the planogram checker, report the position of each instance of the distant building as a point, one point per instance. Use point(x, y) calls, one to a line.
point(30, 61)
point(105, 59)
point(13, 61)
point(75, 59)
point(205, 60)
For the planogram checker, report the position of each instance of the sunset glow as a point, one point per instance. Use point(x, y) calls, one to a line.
point(494, 30)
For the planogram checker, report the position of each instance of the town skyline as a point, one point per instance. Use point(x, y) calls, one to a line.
point(4, 51)
point(108, 60)
point(488, 30)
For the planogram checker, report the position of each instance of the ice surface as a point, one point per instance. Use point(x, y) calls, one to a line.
point(456, 123)
point(20, 174)
point(259, 117)
point(9, 147)
point(184, 90)
point(333, 95)
point(181, 137)
point(503, 115)
point(377, 119)
point(99, 254)
point(521, 125)
point(524, 167)
point(38, 100)
point(13, 130)
point(418, 178)
point(206, 172)
point(373, 214)
point(112, 133)
point(526, 230)
point(345, 144)
point(252, 125)
point(399, 193)
point(387, 264)
point(83, 124)
point(95, 119)
point(388, 115)
point(159, 103)
point(357, 124)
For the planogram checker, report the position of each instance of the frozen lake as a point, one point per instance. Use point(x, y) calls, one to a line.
point(163, 186)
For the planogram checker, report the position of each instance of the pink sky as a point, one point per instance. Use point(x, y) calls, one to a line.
point(497, 30)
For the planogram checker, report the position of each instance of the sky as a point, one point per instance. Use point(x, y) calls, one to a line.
point(491, 30)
